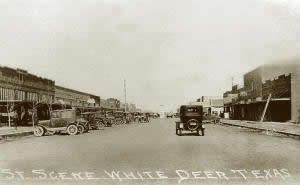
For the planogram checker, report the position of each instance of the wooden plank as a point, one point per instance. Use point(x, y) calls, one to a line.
point(266, 107)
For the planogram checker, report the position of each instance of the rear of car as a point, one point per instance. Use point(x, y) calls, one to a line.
point(190, 119)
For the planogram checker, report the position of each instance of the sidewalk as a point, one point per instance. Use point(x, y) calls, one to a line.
point(6, 132)
point(289, 129)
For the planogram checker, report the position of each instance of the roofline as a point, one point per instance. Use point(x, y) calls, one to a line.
point(75, 91)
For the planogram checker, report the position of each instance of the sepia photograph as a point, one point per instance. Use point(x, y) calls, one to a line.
point(149, 92)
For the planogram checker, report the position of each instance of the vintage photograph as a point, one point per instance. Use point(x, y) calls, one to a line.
point(149, 92)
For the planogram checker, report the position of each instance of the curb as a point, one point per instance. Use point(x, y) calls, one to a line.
point(296, 136)
point(18, 134)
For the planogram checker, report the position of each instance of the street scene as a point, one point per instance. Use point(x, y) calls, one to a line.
point(136, 152)
point(149, 92)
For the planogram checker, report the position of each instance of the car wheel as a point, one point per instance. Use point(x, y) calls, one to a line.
point(39, 131)
point(193, 125)
point(72, 130)
point(180, 132)
point(80, 129)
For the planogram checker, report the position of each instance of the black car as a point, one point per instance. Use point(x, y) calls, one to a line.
point(190, 119)
point(169, 115)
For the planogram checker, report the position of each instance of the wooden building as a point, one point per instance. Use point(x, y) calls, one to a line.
point(281, 80)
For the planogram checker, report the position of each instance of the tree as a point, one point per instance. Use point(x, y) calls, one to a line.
point(10, 106)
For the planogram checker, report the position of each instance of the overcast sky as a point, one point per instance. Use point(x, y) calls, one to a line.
point(169, 51)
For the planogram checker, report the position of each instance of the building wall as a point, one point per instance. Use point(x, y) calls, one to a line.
point(279, 87)
point(286, 67)
point(104, 103)
point(295, 96)
point(74, 97)
point(17, 84)
point(282, 79)
point(253, 83)
point(113, 103)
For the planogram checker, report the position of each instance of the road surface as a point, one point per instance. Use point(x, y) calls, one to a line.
point(151, 153)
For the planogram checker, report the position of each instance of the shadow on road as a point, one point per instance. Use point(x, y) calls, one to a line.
point(189, 134)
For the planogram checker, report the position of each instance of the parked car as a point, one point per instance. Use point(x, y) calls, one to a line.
point(211, 118)
point(109, 118)
point(169, 115)
point(142, 118)
point(88, 121)
point(190, 119)
point(60, 121)
point(176, 115)
point(120, 117)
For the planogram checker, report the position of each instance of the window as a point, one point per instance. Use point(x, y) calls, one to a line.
point(192, 110)
point(55, 114)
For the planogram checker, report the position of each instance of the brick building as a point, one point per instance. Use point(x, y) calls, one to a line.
point(19, 85)
point(75, 98)
point(281, 80)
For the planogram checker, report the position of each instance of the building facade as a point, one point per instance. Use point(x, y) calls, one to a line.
point(280, 81)
point(75, 98)
point(19, 85)
point(19, 91)
point(113, 103)
point(211, 104)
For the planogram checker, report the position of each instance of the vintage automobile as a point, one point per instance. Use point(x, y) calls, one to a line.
point(100, 119)
point(88, 121)
point(60, 121)
point(109, 118)
point(211, 118)
point(143, 118)
point(119, 117)
point(176, 115)
point(169, 115)
point(190, 119)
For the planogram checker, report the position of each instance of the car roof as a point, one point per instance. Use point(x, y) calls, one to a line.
point(191, 106)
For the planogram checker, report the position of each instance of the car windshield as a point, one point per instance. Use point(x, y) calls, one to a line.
point(192, 110)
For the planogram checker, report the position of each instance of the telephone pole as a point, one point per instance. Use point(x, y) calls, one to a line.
point(125, 95)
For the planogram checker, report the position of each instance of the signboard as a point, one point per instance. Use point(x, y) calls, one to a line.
point(91, 100)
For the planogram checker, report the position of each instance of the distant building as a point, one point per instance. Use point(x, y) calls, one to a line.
point(281, 80)
point(104, 103)
point(132, 107)
point(211, 104)
point(208, 98)
point(113, 103)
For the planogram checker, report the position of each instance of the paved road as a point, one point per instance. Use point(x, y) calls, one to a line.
point(154, 155)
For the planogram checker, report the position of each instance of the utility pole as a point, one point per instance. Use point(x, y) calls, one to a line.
point(125, 95)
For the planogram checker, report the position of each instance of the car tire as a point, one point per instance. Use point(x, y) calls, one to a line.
point(81, 129)
point(72, 129)
point(180, 132)
point(39, 131)
point(202, 132)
